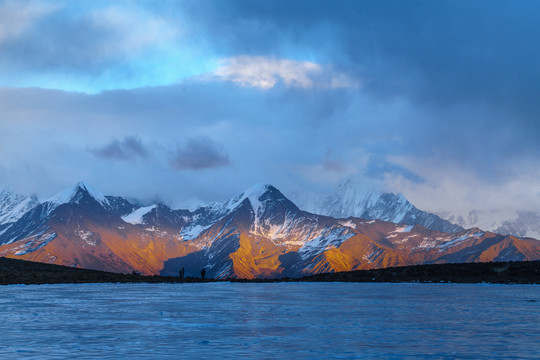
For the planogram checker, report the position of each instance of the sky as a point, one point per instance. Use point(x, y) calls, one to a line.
point(194, 101)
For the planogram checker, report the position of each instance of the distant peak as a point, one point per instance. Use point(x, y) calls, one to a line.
point(257, 189)
point(402, 198)
point(71, 195)
point(254, 193)
point(81, 185)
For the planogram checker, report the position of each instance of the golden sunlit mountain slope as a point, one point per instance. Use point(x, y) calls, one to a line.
point(259, 234)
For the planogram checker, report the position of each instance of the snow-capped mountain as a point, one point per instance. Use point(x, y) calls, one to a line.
point(259, 233)
point(507, 222)
point(13, 206)
point(351, 199)
point(266, 235)
point(79, 193)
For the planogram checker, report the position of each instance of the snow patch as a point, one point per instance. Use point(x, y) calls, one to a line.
point(34, 243)
point(453, 242)
point(88, 237)
point(192, 232)
point(348, 223)
point(329, 237)
point(252, 194)
point(404, 229)
point(136, 217)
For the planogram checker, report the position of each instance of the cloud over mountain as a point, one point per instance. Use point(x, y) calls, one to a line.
point(129, 148)
point(199, 153)
point(437, 100)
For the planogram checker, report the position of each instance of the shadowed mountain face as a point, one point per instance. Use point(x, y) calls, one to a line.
point(258, 234)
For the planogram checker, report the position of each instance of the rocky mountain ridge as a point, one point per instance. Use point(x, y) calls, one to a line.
point(350, 199)
point(258, 234)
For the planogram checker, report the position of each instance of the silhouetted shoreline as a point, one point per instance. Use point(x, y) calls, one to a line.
point(14, 271)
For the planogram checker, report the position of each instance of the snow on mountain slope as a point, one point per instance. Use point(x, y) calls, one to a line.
point(120, 206)
point(260, 197)
point(285, 241)
point(37, 218)
point(136, 217)
point(351, 199)
point(507, 222)
point(13, 206)
point(266, 235)
point(74, 195)
point(259, 233)
point(219, 210)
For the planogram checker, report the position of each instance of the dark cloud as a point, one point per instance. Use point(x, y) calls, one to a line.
point(445, 50)
point(129, 148)
point(436, 54)
point(449, 86)
point(198, 154)
point(83, 42)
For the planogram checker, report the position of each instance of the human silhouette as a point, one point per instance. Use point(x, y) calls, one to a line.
point(203, 273)
point(181, 273)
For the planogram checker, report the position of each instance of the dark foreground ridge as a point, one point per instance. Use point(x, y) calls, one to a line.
point(513, 272)
point(14, 271)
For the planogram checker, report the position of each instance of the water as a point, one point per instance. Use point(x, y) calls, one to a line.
point(270, 321)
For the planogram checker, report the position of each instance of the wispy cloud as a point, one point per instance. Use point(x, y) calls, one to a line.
point(199, 153)
point(117, 46)
point(131, 30)
point(266, 72)
point(17, 16)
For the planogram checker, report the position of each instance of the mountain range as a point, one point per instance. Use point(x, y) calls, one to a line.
point(351, 199)
point(521, 223)
point(257, 234)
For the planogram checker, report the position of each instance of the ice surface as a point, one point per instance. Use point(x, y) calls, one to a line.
point(270, 321)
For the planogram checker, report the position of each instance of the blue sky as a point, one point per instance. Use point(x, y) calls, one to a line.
point(180, 100)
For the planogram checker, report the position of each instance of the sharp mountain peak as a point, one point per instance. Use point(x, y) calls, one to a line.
point(74, 194)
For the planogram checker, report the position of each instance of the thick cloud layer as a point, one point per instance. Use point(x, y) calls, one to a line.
point(191, 100)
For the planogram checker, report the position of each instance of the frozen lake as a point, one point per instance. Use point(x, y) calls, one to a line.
point(270, 321)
